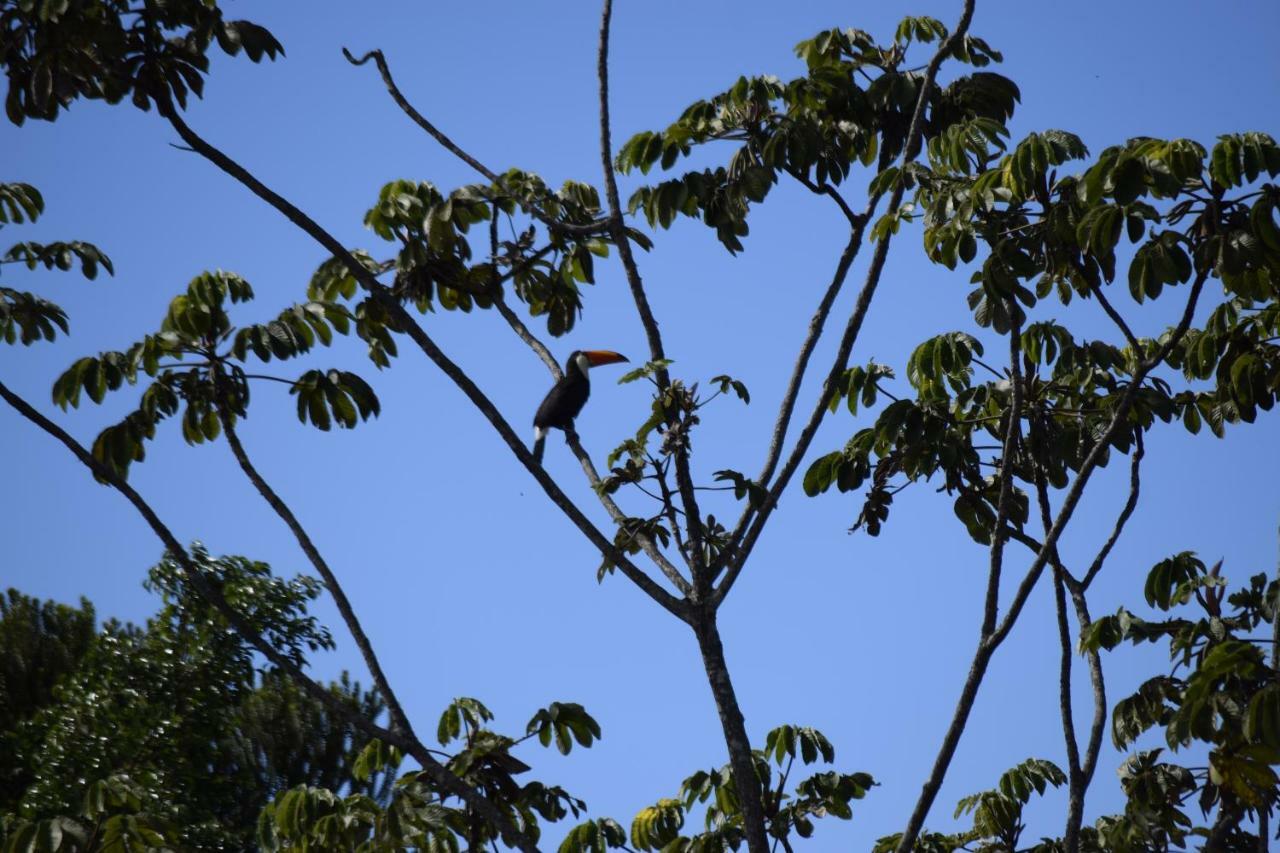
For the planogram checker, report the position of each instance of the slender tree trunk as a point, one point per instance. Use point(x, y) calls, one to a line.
point(1076, 780)
point(735, 730)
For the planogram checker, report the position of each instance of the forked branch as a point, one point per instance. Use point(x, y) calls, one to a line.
point(1047, 548)
point(744, 541)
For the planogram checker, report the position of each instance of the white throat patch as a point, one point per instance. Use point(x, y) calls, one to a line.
point(584, 363)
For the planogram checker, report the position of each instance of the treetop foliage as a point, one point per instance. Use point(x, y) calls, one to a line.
point(1010, 434)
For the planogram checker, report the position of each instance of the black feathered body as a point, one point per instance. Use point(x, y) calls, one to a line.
point(565, 399)
point(563, 402)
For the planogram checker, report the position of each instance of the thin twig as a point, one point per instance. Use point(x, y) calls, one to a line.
point(856, 220)
point(1119, 321)
point(1131, 503)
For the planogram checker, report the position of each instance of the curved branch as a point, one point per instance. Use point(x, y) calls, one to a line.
point(856, 220)
point(399, 721)
point(453, 148)
point(1077, 778)
point(439, 774)
point(1135, 464)
point(1118, 320)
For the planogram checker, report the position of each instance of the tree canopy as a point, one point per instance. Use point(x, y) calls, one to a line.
point(1009, 413)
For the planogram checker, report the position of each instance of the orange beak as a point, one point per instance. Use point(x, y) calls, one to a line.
point(598, 357)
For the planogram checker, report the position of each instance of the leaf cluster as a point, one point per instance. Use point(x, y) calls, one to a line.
point(195, 364)
point(1221, 695)
point(853, 106)
point(419, 813)
point(788, 809)
point(155, 52)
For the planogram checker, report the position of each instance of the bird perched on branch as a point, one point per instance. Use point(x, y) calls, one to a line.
point(567, 397)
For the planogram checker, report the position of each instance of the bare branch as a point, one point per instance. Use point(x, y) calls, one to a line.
point(1008, 462)
point(1077, 780)
point(856, 220)
point(453, 148)
point(1135, 465)
point(1096, 727)
point(1074, 776)
point(400, 738)
point(1119, 321)
point(399, 720)
point(618, 231)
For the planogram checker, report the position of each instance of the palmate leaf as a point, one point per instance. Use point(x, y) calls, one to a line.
point(20, 203)
point(60, 255)
point(658, 825)
point(326, 397)
point(596, 836)
point(565, 723)
point(26, 318)
point(463, 712)
point(1167, 582)
point(375, 758)
point(294, 332)
point(997, 813)
point(802, 741)
point(1148, 707)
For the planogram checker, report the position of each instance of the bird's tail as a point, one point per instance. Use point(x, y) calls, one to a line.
point(539, 443)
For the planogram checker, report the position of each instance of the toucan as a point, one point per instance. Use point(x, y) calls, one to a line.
point(567, 397)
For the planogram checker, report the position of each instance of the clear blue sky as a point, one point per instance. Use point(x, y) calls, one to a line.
point(469, 581)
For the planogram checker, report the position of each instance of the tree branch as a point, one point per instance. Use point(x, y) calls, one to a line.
point(1135, 465)
point(787, 408)
point(1008, 463)
point(448, 144)
point(618, 231)
point(911, 150)
point(399, 721)
point(441, 776)
point(982, 657)
point(1077, 779)
point(856, 220)
point(1075, 776)
point(1119, 321)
